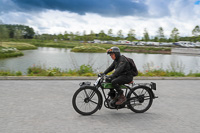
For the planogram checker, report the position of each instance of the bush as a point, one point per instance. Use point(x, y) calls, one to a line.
point(36, 70)
point(10, 73)
point(84, 70)
point(174, 70)
point(159, 73)
point(197, 74)
point(54, 72)
point(6, 73)
point(194, 74)
point(18, 73)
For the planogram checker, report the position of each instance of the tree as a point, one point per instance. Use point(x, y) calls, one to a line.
point(27, 31)
point(110, 34)
point(84, 37)
point(71, 36)
point(131, 35)
point(4, 33)
point(84, 33)
point(18, 34)
point(175, 35)
point(146, 35)
point(65, 36)
point(60, 36)
point(102, 35)
point(155, 39)
point(92, 35)
point(77, 36)
point(120, 35)
point(161, 36)
point(196, 31)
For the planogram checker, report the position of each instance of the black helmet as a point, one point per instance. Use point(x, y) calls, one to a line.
point(113, 50)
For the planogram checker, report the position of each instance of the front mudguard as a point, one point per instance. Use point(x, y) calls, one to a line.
point(96, 90)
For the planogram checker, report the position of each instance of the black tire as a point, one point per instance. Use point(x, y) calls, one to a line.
point(140, 99)
point(86, 100)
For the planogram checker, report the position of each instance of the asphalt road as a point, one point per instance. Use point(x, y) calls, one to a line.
point(44, 106)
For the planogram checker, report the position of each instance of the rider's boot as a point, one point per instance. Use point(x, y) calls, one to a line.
point(121, 99)
point(120, 96)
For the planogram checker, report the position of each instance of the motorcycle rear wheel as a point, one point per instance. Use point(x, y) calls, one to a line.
point(140, 99)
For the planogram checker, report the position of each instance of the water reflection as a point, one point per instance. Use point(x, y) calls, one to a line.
point(64, 59)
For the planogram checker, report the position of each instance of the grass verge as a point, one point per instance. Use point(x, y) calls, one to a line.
point(87, 70)
point(84, 70)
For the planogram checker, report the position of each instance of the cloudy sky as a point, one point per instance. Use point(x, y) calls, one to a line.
point(58, 16)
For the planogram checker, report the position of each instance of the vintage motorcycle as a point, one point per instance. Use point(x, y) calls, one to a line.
point(88, 98)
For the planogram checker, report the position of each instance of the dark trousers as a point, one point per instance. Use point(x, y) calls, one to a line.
point(123, 79)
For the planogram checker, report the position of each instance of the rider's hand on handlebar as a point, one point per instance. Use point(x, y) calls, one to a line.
point(109, 78)
point(101, 74)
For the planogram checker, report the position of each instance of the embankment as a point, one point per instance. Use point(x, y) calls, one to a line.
point(185, 51)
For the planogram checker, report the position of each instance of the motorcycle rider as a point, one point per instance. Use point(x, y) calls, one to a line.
point(121, 75)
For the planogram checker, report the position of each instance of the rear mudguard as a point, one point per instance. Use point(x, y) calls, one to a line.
point(144, 86)
point(97, 91)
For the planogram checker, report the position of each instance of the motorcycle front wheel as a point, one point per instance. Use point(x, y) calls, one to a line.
point(140, 99)
point(86, 100)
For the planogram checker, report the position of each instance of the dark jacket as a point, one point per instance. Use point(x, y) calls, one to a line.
point(121, 66)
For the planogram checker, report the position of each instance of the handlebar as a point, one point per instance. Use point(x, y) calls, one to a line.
point(101, 75)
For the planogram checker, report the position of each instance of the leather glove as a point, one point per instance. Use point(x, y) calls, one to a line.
point(109, 78)
point(100, 74)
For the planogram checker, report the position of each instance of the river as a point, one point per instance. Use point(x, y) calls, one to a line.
point(64, 59)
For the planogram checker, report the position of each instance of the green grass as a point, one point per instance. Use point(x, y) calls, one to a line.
point(10, 73)
point(60, 44)
point(89, 49)
point(18, 45)
point(12, 49)
point(148, 49)
point(162, 73)
point(9, 52)
point(174, 70)
point(84, 70)
point(7, 55)
point(191, 74)
point(87, 70)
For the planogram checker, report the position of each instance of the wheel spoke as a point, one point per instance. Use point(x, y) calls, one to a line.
point(93, 102)
point(92, 94)
point(141, 91)
point(147, 97)
point(86, 93)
